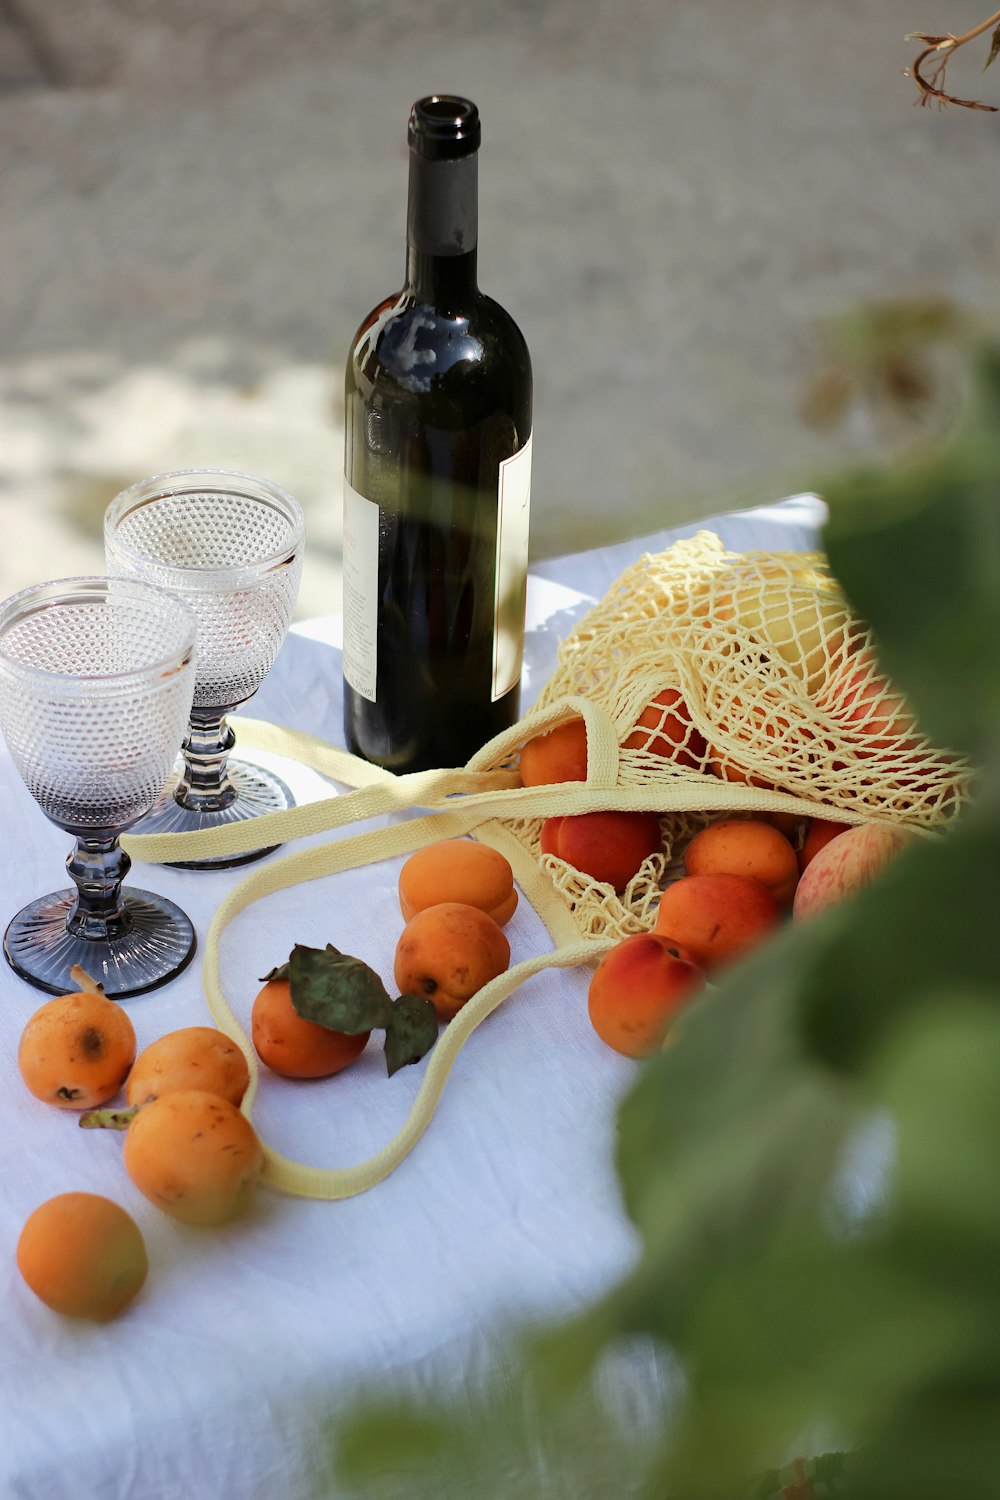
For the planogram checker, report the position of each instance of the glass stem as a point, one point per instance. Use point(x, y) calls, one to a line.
point(205, 785)
point(98, 866)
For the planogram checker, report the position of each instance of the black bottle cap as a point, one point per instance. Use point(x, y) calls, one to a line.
point(444, 127)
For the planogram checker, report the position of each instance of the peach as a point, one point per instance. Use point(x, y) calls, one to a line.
point(83, 1256)
point(636, 990)
point(862, 699)
point(448, 952)
point(819, 833)
point(458, 870)
point(559, 755)
point(608, 846)
point(194, 1057)
point(194, 1155)
point(845, 864)
point(717, 918)
point(550, 836)
point(745, 846)
point(664, 728)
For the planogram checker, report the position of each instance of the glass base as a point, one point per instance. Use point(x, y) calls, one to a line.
point(159, 944)
point(257, 791)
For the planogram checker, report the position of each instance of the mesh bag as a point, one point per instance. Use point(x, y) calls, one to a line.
point(710, 683)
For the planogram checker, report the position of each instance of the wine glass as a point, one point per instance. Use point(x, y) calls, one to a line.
point(96, 682)
point(230, 545)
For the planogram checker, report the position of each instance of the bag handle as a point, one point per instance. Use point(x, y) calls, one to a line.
point(345, 854)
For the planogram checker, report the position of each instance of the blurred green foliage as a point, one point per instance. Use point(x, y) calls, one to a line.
point(813, 1167)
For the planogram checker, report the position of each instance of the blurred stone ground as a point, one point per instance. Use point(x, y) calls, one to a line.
point(198, 202)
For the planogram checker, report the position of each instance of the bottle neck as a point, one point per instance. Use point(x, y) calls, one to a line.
point(442, 228)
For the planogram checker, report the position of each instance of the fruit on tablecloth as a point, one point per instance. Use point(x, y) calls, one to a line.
point(194, 1155)
point(83, 1255)
point(745, 846)
point(664, 728)
point(608, 846)
point(717, 918)
point(558, 755)
point(447, 953)
point(194, 1057)
point(458, 870)
point(637, 989)
point(845, 864)
point(818, 834)
point(76, 1050)
point(293, 1046)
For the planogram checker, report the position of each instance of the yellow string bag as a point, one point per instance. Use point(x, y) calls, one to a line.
point(710, 683)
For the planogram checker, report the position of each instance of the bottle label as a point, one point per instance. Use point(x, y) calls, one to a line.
point(360, 592)
point(514, 497)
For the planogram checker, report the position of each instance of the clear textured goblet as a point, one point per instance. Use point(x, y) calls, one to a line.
point(96, 683)
point(231, 546)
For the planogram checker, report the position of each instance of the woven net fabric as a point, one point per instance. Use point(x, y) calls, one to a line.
point(749, 670)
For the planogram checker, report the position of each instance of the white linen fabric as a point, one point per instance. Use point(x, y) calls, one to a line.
point(214, 1383)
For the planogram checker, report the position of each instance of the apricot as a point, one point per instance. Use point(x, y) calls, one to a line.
point(745, 846)
point(550, 836)
point(818, 834)
point(664, 728)
point(608, 846)
point(844, 865)
point(636, 990)
point(195, 1057)
point(194, 1155)
point(294, 1047)
point(458, 870)
point(82, 1255)
point(861, 698)
point(76, 1051)
point(717, 918)
point(559, 755)
point(448, 952)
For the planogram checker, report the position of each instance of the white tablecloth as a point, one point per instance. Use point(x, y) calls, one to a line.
point(507, 1211)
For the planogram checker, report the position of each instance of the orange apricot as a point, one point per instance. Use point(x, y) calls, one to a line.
point(447, 953)
point(82, 1255)
point(194, 1155)
point(296, 1048)
point(745, 846)
point(717, 917)
point(195, 1057)
point(664, 728)
point(76, 1051)
point(636, 990)
point(818, 834)
point(608, 846)
point(559, 755)
point(458, 870)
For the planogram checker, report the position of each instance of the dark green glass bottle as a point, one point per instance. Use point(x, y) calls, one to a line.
point(437, 481)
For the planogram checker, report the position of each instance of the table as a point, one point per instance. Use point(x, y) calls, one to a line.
point(507, 1212)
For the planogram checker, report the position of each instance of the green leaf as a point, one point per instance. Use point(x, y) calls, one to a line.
point(917, 552)
point(337, 991)
point(280, 971)
point(994, 49)
point(410, 1033)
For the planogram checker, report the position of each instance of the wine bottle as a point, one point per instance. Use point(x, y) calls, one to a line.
point(437, 481)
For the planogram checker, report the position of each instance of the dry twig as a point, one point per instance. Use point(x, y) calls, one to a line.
point(943, 48)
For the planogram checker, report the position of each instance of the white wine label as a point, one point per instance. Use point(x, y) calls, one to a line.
point(514, 499)
point(360, 592)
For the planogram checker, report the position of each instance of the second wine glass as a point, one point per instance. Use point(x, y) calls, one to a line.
point(230, 545)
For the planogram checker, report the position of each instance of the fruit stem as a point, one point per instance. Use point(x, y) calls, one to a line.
point(87, 985)
point(109, 1119)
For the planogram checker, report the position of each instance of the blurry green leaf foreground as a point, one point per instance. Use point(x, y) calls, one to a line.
point(813, 1169)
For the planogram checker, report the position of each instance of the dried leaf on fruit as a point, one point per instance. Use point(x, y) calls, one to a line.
point(411, 1032)
point(337, 991)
